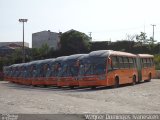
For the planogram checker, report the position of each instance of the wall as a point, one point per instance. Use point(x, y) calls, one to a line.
point(45, 37)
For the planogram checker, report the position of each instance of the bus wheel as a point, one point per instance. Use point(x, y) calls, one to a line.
point(71, 87)
point(134, 80)
point(116, 83)
point(150, 77)
point(93, 87)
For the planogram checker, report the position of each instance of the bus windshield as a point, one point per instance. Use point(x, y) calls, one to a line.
point(69, 70)
point(94, 66)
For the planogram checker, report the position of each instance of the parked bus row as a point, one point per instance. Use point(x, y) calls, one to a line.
point(98, 68)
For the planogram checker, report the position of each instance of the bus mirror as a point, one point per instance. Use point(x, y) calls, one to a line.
point(109, 61)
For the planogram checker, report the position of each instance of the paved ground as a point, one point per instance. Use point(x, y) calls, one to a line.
point(140, 98)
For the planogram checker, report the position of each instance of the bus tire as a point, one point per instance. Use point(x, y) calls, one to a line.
point(71, 87)
point(134, 80)
point(116, 82)
point(93, 87)
point(149, 77)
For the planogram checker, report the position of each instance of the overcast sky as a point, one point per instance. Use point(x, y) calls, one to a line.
point(106, 19)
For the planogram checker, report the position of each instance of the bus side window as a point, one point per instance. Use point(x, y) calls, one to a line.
point(141, 62)
point(126, 64)
point(145, 62)
point(131, 63)
point(114, 62)
point(135, 62)
point(121, 64)
point(148, 62)
point(152, 63)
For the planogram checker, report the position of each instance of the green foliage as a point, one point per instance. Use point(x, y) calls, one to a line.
point(74, 42)
point(142, 38)
point(157, 61)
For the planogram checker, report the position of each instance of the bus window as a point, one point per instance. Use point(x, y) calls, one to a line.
point(144, 62)
point(131, 63)
point(152, 63)
point(100, 67)
point(126, 64)
point(148, 62)
point(135, 62)
point(115, 62)
point(121, 64)
point(74, 69)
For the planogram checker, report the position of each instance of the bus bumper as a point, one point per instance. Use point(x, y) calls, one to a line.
point(38, 81)
point(51, 81)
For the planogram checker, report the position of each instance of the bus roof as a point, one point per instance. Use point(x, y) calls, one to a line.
point(59, 59)
point(44, 61)
point(100, 53)
point(119, 53)
point(105, 53)
point(74, 57)
point(145, 56)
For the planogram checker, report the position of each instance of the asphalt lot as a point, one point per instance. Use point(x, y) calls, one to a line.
point(20, 99)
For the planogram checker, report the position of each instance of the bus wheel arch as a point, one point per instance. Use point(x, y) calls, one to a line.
point(116, 82)
point(149, 77)
point(134, 80)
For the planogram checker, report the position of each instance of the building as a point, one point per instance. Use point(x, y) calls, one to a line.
point(14, 43)
point(7, 48)
point(52, 39)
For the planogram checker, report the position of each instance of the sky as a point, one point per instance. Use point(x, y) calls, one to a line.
point(106, 19)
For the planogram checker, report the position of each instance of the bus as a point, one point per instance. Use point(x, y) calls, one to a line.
point(53, 69)
point(9, 73)
point(40, 72)
point(25, 74)
point(14, 73)
point(19, 73)
point(108, 68)
point(29, 74)
point(146, 67)
point(4, 74)
point(69, 72)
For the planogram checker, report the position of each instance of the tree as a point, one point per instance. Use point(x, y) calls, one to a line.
point(130, 37)
point(74, 42)
point(142, 38)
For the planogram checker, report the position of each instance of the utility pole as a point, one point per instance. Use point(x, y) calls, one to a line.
point(23, 21)
point(90, 35)
point(153, 31)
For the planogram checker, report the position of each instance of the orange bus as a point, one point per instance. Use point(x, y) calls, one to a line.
point(53, 68)
point(69, 72)
point(6, 72)
point(40, 72)
point(108, 68)
point(15, 72)
point(19, 73)
point(26, 74)
point(9, 73)
point(146, 67)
